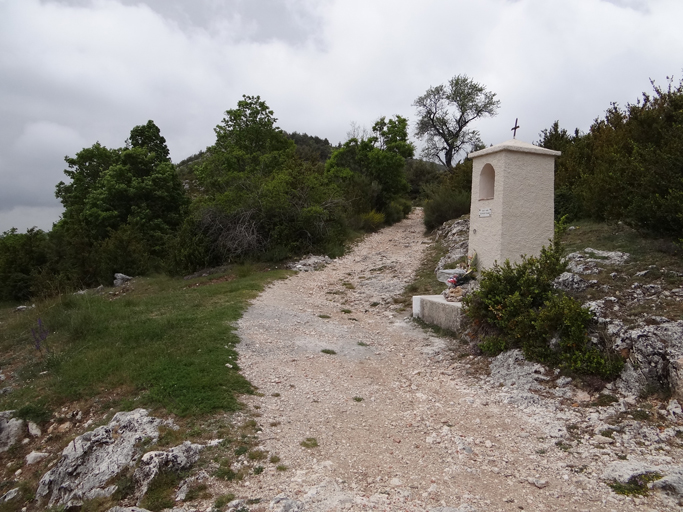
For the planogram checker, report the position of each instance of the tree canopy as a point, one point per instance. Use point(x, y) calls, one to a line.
point(444, 116)
point(260, 198)
point(371, 170)
point(628, 167)
point(120, 206)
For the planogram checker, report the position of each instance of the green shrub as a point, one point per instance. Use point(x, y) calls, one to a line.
point(396, 211)
point(36, 412)
point(420, 173)
point(21, 255)
point(160, 492)
point(627, 167)
point(494, 345)
point(444, 204)
point(519, 303)
point(372, 221)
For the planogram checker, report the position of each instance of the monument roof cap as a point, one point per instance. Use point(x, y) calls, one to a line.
point(514, 145)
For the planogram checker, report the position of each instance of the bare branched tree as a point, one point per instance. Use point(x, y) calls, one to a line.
point(232, 234)
point(445, 112)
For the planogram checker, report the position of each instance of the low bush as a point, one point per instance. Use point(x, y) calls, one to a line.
point(517, 302)
point(396, 211)
point(371, 221)
point(444, 204)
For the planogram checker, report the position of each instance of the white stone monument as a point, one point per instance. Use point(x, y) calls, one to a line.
point(511, 214)
point(512, 209)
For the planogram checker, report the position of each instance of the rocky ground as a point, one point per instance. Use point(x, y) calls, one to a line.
point(400, 425)
point(363, 409)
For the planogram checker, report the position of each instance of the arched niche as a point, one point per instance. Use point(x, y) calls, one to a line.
point(487, 182)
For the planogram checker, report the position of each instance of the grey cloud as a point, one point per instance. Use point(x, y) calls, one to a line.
point(71, 77)
point(638, 5)
point(262, 20)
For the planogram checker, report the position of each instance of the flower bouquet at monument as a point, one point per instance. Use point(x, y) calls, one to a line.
point(460, 283)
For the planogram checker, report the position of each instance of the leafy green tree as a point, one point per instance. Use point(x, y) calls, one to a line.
point(248, 144)
point(371, 170)
point(444, 116)
point(84, 171)
point(569, 168)
point(148, 137)
point(121, 207)
point(261, 200)
point(420, 173)
point(311, 147)
point(22, 255)
point(448, 197)
point(628, 167)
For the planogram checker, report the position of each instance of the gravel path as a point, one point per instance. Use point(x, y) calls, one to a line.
point(399, 424)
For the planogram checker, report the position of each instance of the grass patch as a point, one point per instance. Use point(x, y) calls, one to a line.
point(362, 344)
point(161, 345)
point(281, 467)
point(348, 286)
point(357, 398)
point(309, 442)
point(619, 237)
point(565, 447)
point(222, 501)
point(328, 351)
point(637, 485)
point(258, 470)
point(257, 455)
point(197, 492)
point(346, 311)
point(160, 494)
point(640, 415)
point(274, 459)
point(324, 316)
point(425, 282)
point(275, 395)
point(604, 400)
point(608, 432)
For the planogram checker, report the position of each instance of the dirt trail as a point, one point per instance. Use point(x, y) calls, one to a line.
point(425, 435)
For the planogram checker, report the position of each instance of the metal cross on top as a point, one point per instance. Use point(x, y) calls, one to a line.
point(514, 129)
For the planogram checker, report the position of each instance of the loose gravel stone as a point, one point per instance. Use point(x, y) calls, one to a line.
point(469, 439)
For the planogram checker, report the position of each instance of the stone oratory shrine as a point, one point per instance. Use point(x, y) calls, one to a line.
point(511, 215)
point(512, 209)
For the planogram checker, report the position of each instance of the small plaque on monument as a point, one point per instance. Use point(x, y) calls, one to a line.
point(484, 212)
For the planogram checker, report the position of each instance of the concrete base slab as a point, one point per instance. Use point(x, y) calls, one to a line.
point(436, 310)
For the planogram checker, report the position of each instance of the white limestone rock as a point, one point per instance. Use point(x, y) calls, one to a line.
point(9, 495)
point(310, 263)
point(35, 457)
point(92, 459)
point(127, 509)
point(282, 503)
point(623, 471)
point(587, 261)
point(570, 282)
point(34, 429)
point(656, 358)
point(11, 430)
point(672, 483)
point(176, 459)
point(121, 279)
point(454, 234)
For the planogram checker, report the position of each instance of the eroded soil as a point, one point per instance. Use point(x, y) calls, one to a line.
point(399, 422)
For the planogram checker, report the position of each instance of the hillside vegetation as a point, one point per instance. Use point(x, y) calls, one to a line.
point(256, 194)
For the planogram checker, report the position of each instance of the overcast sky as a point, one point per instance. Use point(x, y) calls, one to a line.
point(74, 72)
